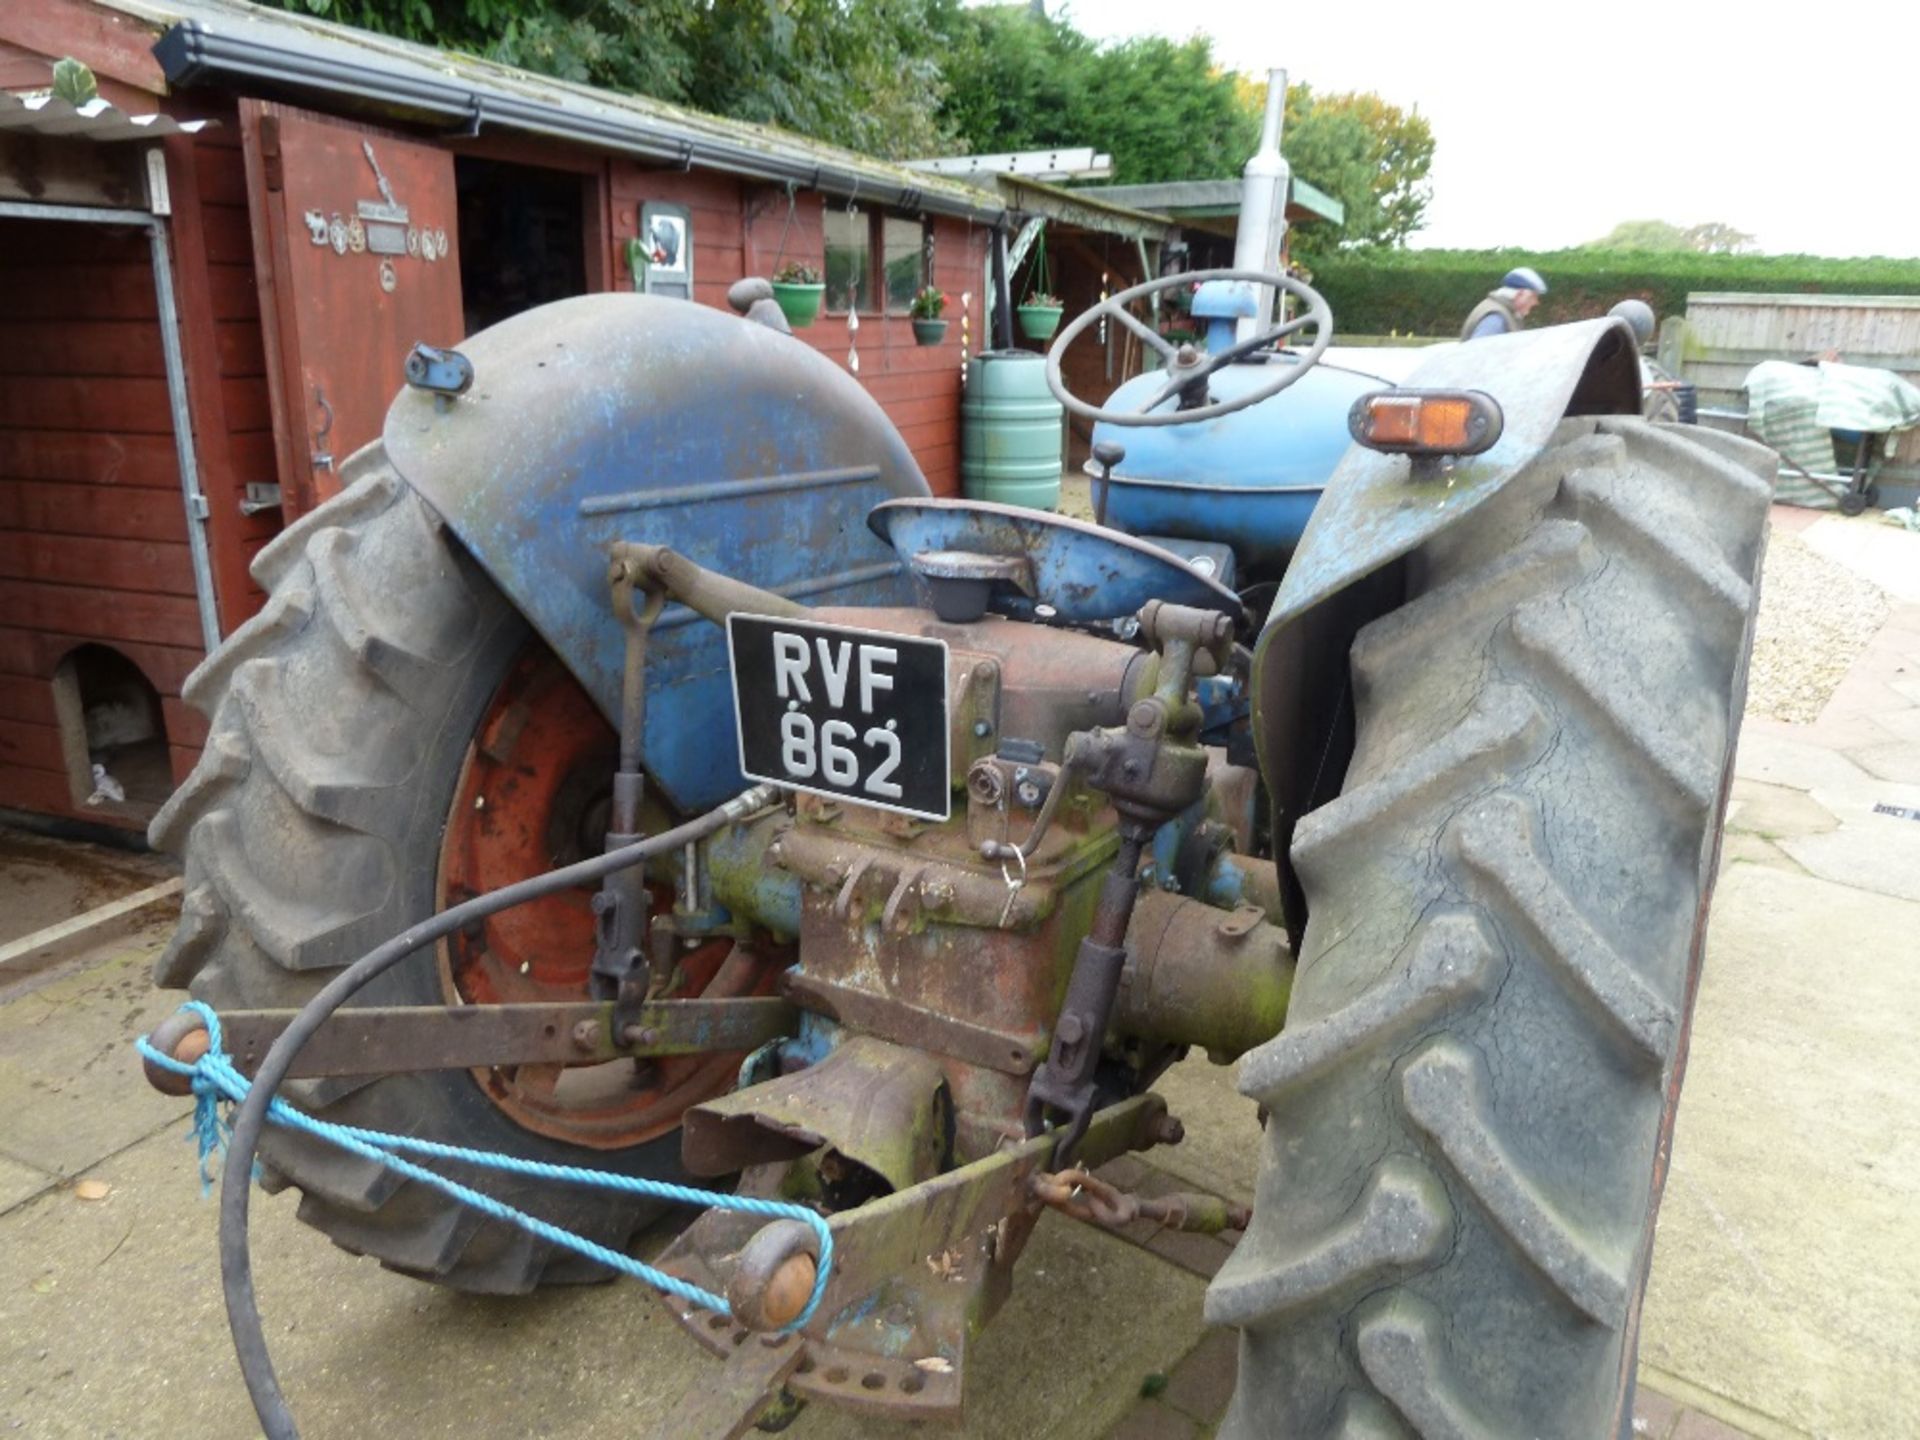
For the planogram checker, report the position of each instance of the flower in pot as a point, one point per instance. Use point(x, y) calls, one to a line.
point(1039, 315)
point(928, 326)
point(798, 292)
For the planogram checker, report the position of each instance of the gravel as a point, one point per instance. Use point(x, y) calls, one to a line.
point(1815, 619)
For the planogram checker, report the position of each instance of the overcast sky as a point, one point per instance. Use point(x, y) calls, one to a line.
point(1554, 121)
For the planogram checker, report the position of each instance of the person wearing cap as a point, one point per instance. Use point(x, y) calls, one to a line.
point(1507, 306)
point(1659, 390)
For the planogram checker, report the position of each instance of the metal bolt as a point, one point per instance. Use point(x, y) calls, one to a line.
point(984, 783)
point(586, 1035)
point(1166, 1130)
point(1028, 792)
point(981, 729)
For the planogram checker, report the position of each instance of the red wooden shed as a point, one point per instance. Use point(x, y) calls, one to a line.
point(213, 273)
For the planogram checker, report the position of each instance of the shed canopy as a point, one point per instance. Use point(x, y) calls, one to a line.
point(46, 114)
point(1192, 201)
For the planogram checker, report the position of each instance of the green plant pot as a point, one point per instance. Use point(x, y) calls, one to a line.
point(1038, 322)
point(929, 332)
point(799, 303)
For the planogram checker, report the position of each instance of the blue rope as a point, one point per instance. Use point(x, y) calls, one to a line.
point(215, 1079)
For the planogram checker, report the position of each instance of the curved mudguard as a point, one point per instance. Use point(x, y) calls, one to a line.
point(631, 417)
point(1373, 513)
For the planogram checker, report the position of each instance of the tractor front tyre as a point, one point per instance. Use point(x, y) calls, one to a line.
point(1471, 1104)
point(348, 720)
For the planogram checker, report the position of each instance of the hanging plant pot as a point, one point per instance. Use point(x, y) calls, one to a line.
point(929, 332)
point(1038, 322)
point(799, 303)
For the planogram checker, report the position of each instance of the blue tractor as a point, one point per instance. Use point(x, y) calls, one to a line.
point(636, 769)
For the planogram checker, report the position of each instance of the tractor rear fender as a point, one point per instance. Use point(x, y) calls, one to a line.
point(631, 417)
point(1347, 571)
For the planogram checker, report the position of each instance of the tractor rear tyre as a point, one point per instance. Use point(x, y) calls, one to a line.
point(1471, 1105)
point(346, 720)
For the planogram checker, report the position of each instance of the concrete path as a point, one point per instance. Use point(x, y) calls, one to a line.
point(1786, 1280)
point(1785, 1298)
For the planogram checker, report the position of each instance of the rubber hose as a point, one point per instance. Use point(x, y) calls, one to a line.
point(236, 1182)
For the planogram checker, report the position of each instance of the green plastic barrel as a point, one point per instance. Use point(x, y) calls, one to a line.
point(1010, 431)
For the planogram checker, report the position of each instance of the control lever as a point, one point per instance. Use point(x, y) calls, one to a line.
point(1151, 769)
point(622, 906)
point(1106, 454)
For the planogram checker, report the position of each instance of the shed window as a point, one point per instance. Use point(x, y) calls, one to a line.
point(874, 262)
point(849, 237)
point(904, 247)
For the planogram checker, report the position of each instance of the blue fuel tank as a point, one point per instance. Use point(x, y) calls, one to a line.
point(1248, 480)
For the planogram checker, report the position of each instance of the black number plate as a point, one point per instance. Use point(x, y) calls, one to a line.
point(853, 714)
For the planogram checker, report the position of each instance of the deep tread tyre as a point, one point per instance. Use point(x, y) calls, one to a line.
point(1470, 1104)
point(311, 829)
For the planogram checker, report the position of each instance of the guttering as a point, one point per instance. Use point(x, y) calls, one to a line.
point(189, 54)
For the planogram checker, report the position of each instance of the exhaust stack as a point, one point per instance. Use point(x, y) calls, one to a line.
point(1263, 206)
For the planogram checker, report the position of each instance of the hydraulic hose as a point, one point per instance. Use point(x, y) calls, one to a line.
point(236, 1182)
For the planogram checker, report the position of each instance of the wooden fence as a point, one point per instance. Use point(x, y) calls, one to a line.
point(1723, 336)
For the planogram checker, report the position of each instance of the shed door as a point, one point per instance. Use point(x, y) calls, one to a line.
point(356, 249)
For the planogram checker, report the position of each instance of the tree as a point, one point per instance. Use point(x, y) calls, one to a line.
point(1013, 79)
point(1370, 155)
point(1711, 238)
point(864, 74)
point(1650, 235)
point(1716, 238)
point(1017, 80)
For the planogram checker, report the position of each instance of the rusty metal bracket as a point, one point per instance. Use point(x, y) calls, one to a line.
point(916, 1275)
point(726, 1406)
point(621, 907)
point(381, 1040)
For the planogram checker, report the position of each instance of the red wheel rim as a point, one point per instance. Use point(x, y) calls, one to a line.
point(533, 795)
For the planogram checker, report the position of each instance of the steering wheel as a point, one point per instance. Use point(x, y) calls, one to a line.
point(1188, 368)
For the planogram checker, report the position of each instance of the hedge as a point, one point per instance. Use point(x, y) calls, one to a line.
point(1429, 292)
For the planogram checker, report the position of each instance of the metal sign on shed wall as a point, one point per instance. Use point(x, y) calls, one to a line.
point(662, 254)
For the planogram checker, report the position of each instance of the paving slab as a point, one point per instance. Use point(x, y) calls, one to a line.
point(1221, 1152)
point(46, 880)
point(1902, 724)
point(1776, 811)
point(1776, 753)
point(1866, 545)
point(20, 1182)
point(1785, 1276)
point(1740, 847)
point(71, 1092)
point(1894, 759)
point(1878, 852)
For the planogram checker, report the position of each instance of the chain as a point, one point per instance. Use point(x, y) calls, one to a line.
point(1082, 1195)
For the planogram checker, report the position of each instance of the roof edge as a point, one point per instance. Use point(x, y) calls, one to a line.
point(190, 54)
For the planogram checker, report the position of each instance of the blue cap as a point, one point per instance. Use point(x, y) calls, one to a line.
point(1525, 278)
point(1225, 300)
